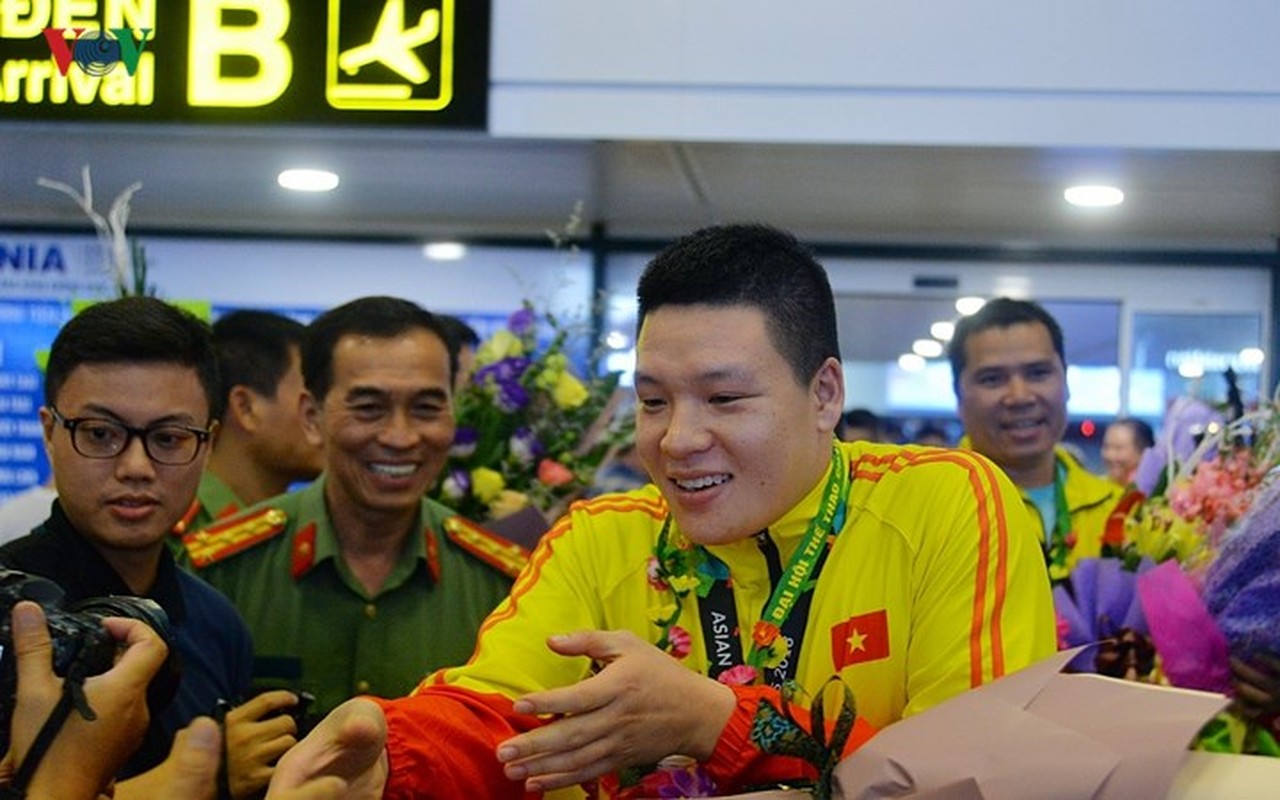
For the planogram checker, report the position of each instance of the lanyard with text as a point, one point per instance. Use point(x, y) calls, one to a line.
point(787, 609)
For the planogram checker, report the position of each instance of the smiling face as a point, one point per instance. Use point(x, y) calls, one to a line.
point(1013, 399)
point(127, 503)
point(1120, 453)
point(723, 428)
point(386, 422)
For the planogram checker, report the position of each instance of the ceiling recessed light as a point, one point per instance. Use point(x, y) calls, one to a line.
point(445, 251)
point(942, 330)
point(308, 180)
point(927, 348)
point(1191, 369)
point(1093, 196)
point(1252, 357)
point(910, 362)
point(969, 305)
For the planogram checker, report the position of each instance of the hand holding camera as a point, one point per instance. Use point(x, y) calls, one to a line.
point(84, 755)
point(258, 732)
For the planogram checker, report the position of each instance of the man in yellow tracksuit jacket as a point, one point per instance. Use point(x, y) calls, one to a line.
point(660, 621)
point(1010, 378)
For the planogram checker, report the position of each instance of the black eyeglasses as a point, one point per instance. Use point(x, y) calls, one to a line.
point(95, 437)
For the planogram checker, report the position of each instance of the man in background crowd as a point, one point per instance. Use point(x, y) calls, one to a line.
point(931, 436)
point(598, 661)
point(1009, 373)
point(261, 448)
point(357, 583)
point(1123, 444)
point(131, 398)
point(467, 341)
point(861, 425)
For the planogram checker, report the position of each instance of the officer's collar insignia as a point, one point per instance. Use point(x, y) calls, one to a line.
point(226, 538)
point(502, 554)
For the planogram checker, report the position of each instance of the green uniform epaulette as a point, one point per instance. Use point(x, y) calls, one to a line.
point(502, 554)
point(223, 539)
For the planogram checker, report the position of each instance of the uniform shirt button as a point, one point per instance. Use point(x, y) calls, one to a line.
point(362, 687)
point(371, 611)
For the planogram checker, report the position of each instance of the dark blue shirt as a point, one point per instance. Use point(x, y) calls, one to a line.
point(209, 637)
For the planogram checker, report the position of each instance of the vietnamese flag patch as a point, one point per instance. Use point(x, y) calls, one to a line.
point(860, 639)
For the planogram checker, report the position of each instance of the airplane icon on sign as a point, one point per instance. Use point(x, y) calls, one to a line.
point(393, 43)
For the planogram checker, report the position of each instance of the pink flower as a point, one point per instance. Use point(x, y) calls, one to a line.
point(741, 675)
point(655, 580)
point(681, 641)
point(553, 473)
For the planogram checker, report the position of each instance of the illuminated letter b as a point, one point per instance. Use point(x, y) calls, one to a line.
point(260, 42)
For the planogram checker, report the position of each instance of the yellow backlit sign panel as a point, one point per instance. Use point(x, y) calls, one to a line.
point(405, 63)
point(418, 62)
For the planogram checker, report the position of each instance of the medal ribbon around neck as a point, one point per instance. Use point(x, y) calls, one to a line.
point(1059, 546)
point(695, 569)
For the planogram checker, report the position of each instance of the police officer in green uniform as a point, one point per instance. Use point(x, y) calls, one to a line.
point(261, 449)
point(357, 584)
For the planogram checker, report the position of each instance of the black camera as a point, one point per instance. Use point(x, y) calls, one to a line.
point(78, 637)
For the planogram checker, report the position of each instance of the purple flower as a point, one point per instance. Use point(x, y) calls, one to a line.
point(511, 396)
point(1186, 420)
point(507, 369)
point(689, 783)
point(522, 321)
point(1242, 587)
point(456, 485)
point(1101, 601)
point(464, 442)
point(525, 445)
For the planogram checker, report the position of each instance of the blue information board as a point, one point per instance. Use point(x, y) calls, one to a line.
point(27, 327)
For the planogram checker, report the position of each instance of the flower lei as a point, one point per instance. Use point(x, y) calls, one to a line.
point(1061, 539)
point(683, 568)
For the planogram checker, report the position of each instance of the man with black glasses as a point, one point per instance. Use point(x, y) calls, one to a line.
point(131, 399)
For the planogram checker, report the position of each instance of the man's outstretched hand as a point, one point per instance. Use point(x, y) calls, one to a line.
point(344, 756)
point(641, 707)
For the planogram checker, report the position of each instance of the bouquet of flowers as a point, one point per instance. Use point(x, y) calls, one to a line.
point(1211, 522)
point(1198, 490)
point(530, 433)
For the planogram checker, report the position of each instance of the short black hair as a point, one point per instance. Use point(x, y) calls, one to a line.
point(754, 265)
point(1002, 312)
point(862, 418)
point(1143, 435)
point(255, 349)
point(135, 329)
point(380, 317)
point(460, 334)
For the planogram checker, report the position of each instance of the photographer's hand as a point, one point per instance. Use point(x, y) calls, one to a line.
point(84, 756)
point(189, 773)
point(254, 744)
